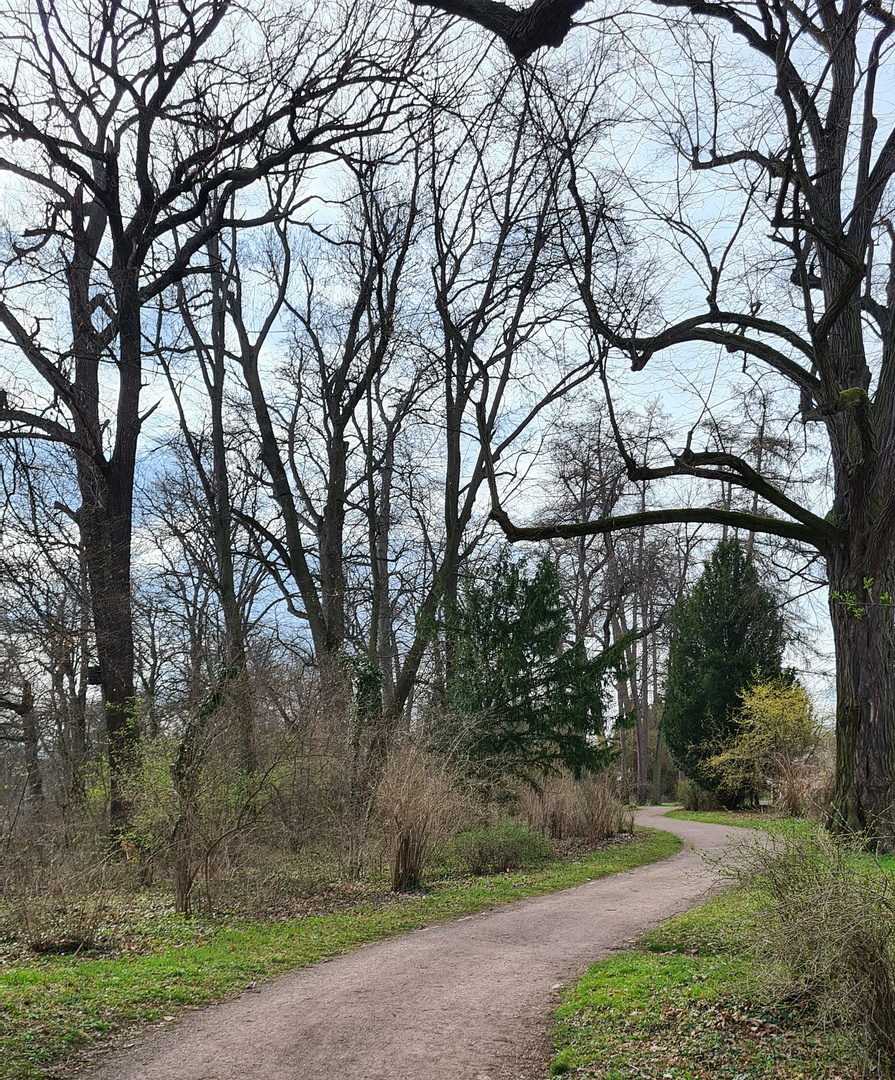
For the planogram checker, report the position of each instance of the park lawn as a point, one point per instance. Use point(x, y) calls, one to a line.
point(685, 1004)
point(52, 1008)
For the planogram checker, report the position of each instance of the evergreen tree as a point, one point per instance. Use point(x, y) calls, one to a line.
point(522, 703)
point(726, 635)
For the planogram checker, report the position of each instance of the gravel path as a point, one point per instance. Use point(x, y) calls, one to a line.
point(468, 1000)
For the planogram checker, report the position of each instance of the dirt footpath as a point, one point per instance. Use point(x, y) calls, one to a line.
point(469, 1000)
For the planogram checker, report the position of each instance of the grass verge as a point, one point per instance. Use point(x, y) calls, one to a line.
point(683, 1005)
point(52, 1008)
point(746, 819)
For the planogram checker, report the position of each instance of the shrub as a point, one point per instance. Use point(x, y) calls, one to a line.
point(421, 807)
point(589, 808)
point(821, 781)
point(189, 811)
point(692, 797)
point(597, 811)
point(507, 844)
point(826, 934)
point(774, 738)
point(52, 899)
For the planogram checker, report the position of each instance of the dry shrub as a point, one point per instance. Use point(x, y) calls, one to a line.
point(820, 780)
point(320, 800)
point(420, 806)
point(589, 808)
point(53, 899)
point(325, 796)
point(826, 934)
point(805, 788)
point(598, 812)
point(791, 786)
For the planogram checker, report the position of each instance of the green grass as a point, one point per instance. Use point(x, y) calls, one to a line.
point(747, 819)
point(50, 1008)
point(684, 1006)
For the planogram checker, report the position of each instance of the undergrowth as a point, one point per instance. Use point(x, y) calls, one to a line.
point(53, 1007)
point(790, 976)
point(686, 1005)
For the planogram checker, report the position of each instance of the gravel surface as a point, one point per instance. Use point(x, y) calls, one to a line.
point(468, 1000)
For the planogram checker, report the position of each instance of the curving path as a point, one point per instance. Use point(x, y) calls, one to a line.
point(468, 1000)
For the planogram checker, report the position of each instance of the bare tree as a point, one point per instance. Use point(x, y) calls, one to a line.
point(619, 587)
point(203, 315)
point(810, 154)
point(45, 624)
point(442, 248)
point(121, 127)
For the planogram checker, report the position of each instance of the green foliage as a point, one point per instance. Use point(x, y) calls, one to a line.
point(727, 634)
point(366, 687)
point(493, 849)
point(775, 733)
point(522, 703)
point(858, 608)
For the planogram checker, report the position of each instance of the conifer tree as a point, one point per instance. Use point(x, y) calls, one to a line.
point(523, 703)
point(727, 634)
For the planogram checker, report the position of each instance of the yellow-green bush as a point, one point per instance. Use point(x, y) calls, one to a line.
point(770, 750)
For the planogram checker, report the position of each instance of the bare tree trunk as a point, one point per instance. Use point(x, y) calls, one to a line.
point(106, 533)
point(379, 516)
point(657, 758)
point(222, 514)
point(78, 724)
point(106, 483)
point(643, 713)
point(864, 634)
point(31, 743)
point(657, 768)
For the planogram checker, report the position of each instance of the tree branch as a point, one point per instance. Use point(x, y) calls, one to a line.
point(700, 515)
point(544, 24)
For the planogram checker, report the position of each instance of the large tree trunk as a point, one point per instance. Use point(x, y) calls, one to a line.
point(864, 634)
point(105, 519)
point(106, 536)
point(106, 484)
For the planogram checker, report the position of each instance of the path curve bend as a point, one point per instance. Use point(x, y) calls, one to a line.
point(470, 999)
